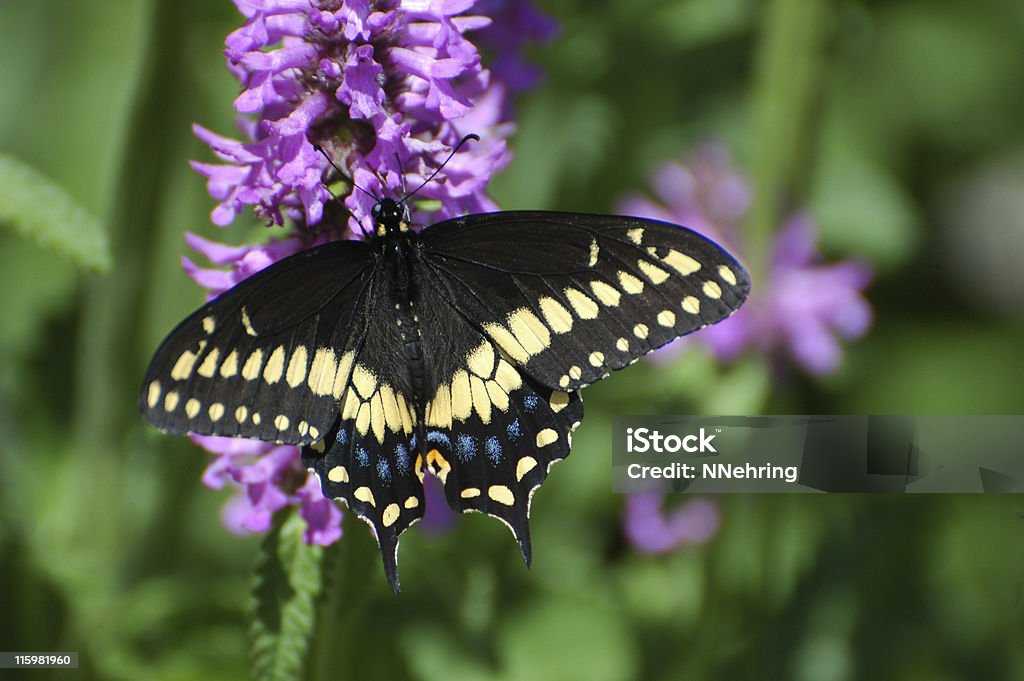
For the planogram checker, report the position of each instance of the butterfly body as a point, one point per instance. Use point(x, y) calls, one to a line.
point(456, 351)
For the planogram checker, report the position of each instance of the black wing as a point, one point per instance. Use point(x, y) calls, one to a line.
point(569, 296)
point(270, 358)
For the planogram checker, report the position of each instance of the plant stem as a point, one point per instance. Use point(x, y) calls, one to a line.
point(787, 91)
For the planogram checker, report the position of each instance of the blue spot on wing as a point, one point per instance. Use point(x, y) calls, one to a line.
point(439, 437)
point(514, 430)
point(342, 437)
point(493, 448)
point(384, 470)
point(531, 402)
point(402, 458)
point(465, 447)
point(362, 456)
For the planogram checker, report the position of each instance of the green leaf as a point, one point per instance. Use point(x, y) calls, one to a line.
point(288, 582)
point(39, 209)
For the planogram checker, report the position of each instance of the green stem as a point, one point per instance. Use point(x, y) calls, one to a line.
point(787, 90)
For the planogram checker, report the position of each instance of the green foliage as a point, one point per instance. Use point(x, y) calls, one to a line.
point(40, 210)
point(110, 546)
point(288, 584)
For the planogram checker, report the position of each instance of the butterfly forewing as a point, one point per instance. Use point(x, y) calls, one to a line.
point(569, 296)
point(266, 359)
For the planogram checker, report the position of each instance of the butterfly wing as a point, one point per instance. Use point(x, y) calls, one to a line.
point(270, 358)
point(570, 296)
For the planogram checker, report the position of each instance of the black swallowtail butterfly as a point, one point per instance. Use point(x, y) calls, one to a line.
point(457, 350)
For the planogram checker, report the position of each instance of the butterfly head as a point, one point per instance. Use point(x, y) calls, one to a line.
point(390, 217)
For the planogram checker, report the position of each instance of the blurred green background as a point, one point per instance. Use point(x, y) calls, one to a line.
point(899, 125)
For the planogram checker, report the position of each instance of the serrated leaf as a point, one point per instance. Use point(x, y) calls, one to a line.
point(288, 582)
point(38, 209)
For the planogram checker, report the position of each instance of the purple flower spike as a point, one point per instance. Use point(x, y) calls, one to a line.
point(386, 87)
point(800, 305)
point(650, 529)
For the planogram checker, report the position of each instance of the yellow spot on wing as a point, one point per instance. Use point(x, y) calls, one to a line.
point(462, 397)
point(338, 474)
point(171, 400)
point(727, 275)
point(209, 365)
point(575, 372)
point(363, 419)
point(681, 263)
point(596, 359)
point(652, 272)
point(498, 397)
point(230, 366)
point(321, 371)
point(192, 408)
point(507, 342)
point(296, 373)
point(389, 406)
point(640, 331)
point(608, 295)
point(507, 377)
point(241, 414)
point(712, 290)
point(691, 305)
point(252, 365)
point(546, 437)
point(256, 418)
point(622, 344)
point(365, 495)
point(636, 235)
point(377, 417)
point(595, 250)
point(470, 493)
point(275, 366)
point(390, 515)
point(216, 411)
point(529, 331)
point(412, 502)
point(364, 381)
point(525, 465)
point(154, 394)
point(629, 283)
point(559, 400)
point(582, 305)
point(555, 314)
point(183, 367)
point(667, 318)
point(481, 360)
point(481, 402)
point(281, 422)
point(439, 411)
point(209, 324)
point(247, 323)
point(342, 374)
point(501, 494)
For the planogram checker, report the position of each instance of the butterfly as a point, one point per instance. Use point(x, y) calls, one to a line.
point(458, 350)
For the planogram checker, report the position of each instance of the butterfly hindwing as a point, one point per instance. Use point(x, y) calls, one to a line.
point(569, 296)
point(266, 359)
point(376, 479)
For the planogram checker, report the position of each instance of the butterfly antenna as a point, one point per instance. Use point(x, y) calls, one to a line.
point(342, 173)
point(458, 146)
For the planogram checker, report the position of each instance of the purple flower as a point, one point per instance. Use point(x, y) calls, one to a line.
point(800, 305)
point(651, 529)
point(386, 87)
